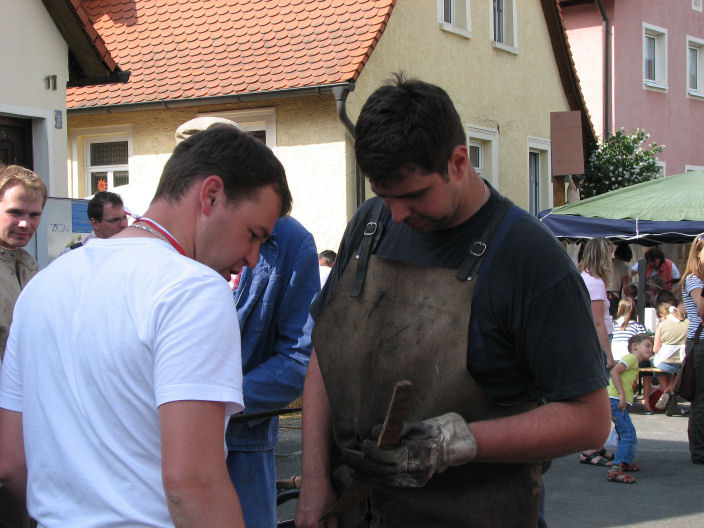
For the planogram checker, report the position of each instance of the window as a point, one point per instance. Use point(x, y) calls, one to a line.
point(503, 24)
point(662, 166)
point(455, 17)
point(691, 168)
point(483, 146)
point(697, 5)
point(539, 175)
point(107, 163)
point(259, 122)
point(654, 57)
point(695, 66)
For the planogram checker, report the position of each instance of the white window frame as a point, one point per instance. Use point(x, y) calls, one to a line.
point(697, 5)
point(542, 147)
point(462, 28)
point(478, 167)
point(692, 168)
point(488, 138)
point(510, 27)
point(660, 36)
point(698, 92)
point(253, 120)
point(86, 136)
point(663, 168)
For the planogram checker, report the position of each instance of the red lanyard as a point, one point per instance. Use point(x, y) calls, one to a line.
point(164, 232)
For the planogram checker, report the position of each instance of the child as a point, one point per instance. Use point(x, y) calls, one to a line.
point(625, 327)
point(623, 376)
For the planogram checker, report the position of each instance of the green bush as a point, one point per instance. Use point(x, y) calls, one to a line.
point(620, 161)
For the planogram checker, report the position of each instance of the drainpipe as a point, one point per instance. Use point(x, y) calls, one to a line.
point(340, 94)
point(607, 68)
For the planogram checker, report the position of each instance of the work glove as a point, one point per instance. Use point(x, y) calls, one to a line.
point(425, 448)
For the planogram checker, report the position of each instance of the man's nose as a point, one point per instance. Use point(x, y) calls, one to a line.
point(24, 222)
point(252, 256)
point(399, 210)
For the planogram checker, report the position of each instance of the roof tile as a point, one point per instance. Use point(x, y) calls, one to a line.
point(206, 48)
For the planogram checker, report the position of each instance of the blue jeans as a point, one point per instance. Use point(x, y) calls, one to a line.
point(627, 441)
point(253, 474)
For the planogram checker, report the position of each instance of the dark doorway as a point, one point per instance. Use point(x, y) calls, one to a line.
point(16, 142)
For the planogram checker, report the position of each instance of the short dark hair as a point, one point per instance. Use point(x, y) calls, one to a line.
point(623, 252)
point(244, 164)
point(328, 256)
point(653, 254)
point(408, 125)
point(95, 206)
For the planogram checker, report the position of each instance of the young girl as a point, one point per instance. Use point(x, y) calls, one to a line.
point(625, 327)
point(670, 340)
point(623, 376)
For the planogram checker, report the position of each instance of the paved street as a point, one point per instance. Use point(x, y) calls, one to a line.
point(669, 490)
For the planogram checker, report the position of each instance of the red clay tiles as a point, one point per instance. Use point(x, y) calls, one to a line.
point(184, 49)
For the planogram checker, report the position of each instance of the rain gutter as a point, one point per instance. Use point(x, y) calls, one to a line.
point(607, 68)
point(340, 94)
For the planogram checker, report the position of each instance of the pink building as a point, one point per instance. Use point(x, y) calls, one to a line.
point(641, 65)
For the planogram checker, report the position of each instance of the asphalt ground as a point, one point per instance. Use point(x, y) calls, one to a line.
point(669, 491)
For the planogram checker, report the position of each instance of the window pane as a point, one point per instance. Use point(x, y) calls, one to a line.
point(120, 178)
point(98, 182)
point(649, 53)
point(475, 156)
point(112, 153)
point(499, 20)
point(258, 134)
point(693, 55)
point(447, 11)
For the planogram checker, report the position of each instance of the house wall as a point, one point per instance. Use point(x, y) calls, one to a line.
point(510, 93)
point(310, 142)
point(32, 49)
point(672, 117)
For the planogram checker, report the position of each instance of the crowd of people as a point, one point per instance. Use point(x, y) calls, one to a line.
point(122, 423)
point(633, 354)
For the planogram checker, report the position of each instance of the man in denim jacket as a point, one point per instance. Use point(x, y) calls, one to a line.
point(272, 305)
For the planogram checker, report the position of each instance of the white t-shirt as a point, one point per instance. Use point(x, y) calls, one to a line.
point(324, 274)
point(100, 339)
point(597, 292)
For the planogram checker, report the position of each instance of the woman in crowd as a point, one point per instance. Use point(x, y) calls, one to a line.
point(595, 268)
point(670, 339)
point(692, 285)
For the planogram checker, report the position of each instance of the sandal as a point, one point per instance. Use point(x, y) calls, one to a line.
point(664, 400)
point(608, 455)
point(629, 467)
point(594, 459)
point(616, 475)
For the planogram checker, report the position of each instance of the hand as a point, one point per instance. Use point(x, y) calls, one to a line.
point(610, 362)
point(316, 499)
point(426, 448)
point(622, 403)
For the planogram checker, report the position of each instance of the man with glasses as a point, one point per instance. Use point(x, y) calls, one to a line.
point(106, 213)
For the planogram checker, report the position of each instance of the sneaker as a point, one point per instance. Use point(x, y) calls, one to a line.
point(663, 401)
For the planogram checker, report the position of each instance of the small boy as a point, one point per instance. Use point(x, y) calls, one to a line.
point(623, 377)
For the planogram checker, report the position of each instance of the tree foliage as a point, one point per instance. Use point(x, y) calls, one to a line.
point(620, 161)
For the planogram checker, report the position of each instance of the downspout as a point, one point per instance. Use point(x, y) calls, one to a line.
point(607, 68)
point(340, 94)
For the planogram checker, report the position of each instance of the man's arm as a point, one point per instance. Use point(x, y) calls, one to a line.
point(13, 467)
point(546, 432)
point(198, 489)
point(278, 380)
point(317, 495)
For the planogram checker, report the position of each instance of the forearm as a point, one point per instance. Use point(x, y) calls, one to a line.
point(205, 504)
point(546, 432)
point(13, 469)
point(317, 425)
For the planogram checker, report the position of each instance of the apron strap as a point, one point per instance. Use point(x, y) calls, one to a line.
point(372, 234)
point(469, 269)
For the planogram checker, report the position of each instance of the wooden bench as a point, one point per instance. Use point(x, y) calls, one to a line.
point(643, 371)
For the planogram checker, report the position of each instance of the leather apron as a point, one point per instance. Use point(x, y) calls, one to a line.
point(413, 323)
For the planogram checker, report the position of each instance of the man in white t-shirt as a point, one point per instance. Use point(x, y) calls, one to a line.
point(124, 420)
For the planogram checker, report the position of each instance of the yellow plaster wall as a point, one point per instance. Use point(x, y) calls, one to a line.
point(513, 93)
point(310, 142)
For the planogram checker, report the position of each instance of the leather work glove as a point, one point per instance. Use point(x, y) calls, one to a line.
point(425, 448)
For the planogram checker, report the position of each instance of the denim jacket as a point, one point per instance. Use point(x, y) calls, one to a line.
point(273, 300)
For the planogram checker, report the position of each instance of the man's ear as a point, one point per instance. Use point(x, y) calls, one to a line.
point(457, 164)
point(212, 189)
point(93, 222)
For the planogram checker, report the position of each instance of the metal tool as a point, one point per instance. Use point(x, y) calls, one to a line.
point(390, 435)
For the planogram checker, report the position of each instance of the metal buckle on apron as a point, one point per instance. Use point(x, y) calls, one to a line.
point(478, 248)
point(370, 229)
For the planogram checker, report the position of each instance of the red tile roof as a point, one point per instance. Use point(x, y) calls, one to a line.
point(187, 49)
